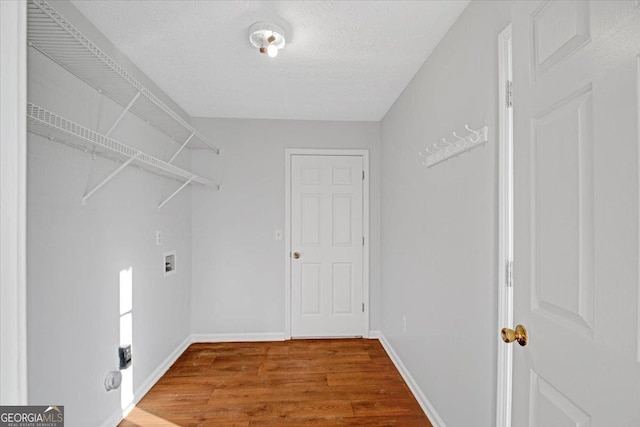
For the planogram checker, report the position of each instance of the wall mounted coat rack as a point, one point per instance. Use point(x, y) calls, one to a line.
point(445, 150)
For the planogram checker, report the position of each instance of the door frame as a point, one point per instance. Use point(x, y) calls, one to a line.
point(505, 197)
point(288, 154)
point(637, 59)
point(13, 176)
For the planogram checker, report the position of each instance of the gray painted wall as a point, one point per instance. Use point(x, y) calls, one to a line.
point(439, 225)
point(238, 267)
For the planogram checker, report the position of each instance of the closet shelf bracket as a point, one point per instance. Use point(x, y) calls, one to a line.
point(181, 148)
point(175, 193)
point(123, 113)
point(108, 178)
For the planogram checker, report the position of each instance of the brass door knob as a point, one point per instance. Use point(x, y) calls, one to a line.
point(296, 255)
point(520, 335)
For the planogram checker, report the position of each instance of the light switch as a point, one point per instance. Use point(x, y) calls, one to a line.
point(277, 235)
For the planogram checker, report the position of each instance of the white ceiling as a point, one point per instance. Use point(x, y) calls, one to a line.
point(344, 60)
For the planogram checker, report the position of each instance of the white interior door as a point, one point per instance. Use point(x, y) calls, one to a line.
point(576, 213)
point(326, 246)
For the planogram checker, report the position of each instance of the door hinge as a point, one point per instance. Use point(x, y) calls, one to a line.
point(362, 240)
point(363, 307)
point(363, 175)
point(509, 274)
point(509, 93)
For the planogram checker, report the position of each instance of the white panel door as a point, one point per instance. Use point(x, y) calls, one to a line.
point(326, 245)
point(576, 213)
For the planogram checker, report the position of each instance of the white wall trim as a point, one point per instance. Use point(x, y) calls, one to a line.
point(288, 153)
point(505, 294)
point(367, 244)
point(264, 336)
point(287, 244)
point(375, 334)
point(426, 406)
point(13, 173)
point(144, 388)
point(638, 145)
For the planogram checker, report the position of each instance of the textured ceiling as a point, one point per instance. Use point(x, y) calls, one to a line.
point(344, 60)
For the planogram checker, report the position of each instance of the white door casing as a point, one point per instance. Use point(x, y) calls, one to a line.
point(326, 227)
point(505, 226)
point(13, 190)
point(576, 213)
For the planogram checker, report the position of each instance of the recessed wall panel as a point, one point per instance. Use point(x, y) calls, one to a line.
point(550, 407)
point(342, 175)
point(310, 286)
point(310, 175)
point(562, 204)
point(560, 28)
point(342, 288)
point(342, 217)
point(310, 219)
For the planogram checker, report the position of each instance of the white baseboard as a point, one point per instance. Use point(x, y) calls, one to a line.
point(144, 388)
point(375, 335)
point(264, 336)
point(427, 407)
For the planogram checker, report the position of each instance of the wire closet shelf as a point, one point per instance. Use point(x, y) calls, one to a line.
point(53, 127)
point(50, 33)
point(439, 153)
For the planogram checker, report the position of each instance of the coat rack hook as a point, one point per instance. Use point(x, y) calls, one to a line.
point(475, 132)
point(462, 142)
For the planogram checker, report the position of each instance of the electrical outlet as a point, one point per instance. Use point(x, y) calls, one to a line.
point(404, 323)
point(159, 238)
point(277, 234)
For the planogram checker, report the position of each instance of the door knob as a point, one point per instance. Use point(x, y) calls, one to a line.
point(520, 335)
point(296, 255)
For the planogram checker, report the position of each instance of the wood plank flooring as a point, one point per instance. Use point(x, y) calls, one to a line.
point(339, 382)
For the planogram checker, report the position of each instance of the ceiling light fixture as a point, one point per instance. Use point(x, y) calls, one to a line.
point(268, 38)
